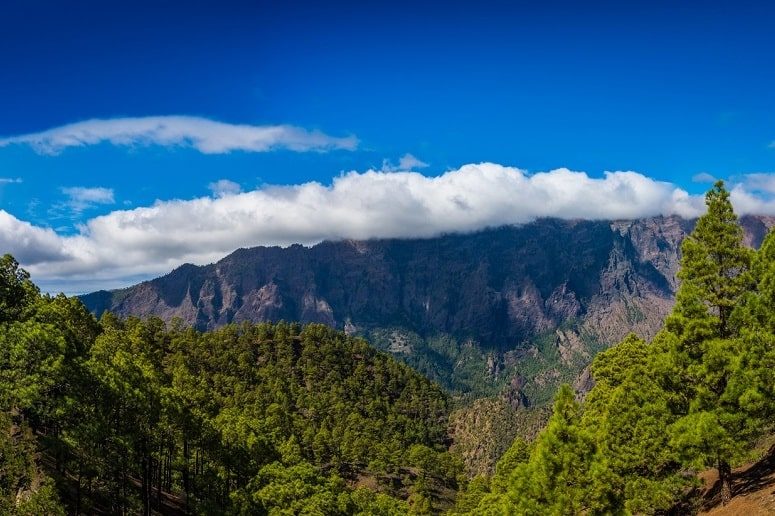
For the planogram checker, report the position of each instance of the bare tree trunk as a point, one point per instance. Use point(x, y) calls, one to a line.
point(145, 488)
point(158, 480)
point(186, 482)
point(725, 476)
point(78, 489)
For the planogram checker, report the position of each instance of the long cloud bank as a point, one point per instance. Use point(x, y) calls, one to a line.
point(110, 250)
point(205, 135)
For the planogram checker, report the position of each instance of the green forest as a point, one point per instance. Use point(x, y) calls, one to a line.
point(145, 417)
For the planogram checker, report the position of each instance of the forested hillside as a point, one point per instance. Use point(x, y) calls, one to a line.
point(523, 306)
point(137, 416)
point(506, 313)
point(699, 395)
point(131, 416)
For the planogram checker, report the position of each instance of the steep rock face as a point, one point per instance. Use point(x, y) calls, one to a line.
point(581, 284)
point(498, 285)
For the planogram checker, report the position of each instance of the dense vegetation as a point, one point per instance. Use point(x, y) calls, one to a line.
point(136, 416)
point(133, 416)
point(698, 396)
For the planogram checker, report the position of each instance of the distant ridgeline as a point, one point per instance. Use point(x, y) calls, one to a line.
point(140, 416)
point(508, 314)
point(523, 308)
point(700, 395)
point(136, 416)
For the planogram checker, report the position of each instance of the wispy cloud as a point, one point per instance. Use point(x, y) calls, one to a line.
point(205, 135)
point(146, 241)
point(409, 162)
point(703, 177)
point(124, 245)
point(762, 183)
point(406, 163)
point(10, 180)
point(80, 198)
point(224, 187)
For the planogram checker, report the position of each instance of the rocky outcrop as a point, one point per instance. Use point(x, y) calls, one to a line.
point(507, 313)
point(585, 284)
point(483, 430)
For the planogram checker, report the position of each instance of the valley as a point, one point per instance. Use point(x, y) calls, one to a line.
point(523, 307)
point(131, 413)
point(506, 314)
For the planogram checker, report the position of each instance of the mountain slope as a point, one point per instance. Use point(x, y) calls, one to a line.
point(520, 307)
point(753, 489)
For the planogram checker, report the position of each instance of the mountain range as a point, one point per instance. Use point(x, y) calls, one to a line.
point(499, 317)
point(501, 297)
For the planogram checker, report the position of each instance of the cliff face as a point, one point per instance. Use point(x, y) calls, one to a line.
point(506, 314)
point(578, 285)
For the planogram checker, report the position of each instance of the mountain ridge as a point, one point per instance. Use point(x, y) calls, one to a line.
point(507, 314)
point(450, 305)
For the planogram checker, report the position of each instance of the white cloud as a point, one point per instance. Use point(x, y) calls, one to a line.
point(28, 243)
point(759, 182)
point(407, 163)
point(81, 198)
point(10, 180)
point(205, 135)
point(754, 193)
point(124, 245)
point(703, 177)
point(224, 187)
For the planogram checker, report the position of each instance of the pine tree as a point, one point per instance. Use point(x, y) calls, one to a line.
point(714, 264)
point(518, 453)
point(759, 312)
point(627, 412)
point(701, 341)
point(17, 292)
point(557, 477)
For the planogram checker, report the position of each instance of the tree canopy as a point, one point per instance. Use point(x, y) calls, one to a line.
point(698, 396)
point(142, 416)
point(139, 416)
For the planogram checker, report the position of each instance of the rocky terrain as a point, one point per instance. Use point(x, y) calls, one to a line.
point(474, 311)
point(505, 314)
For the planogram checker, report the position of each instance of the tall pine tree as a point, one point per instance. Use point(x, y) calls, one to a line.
point(558, 478)
point(627, 412)
point(714, 265)
point(702, 341)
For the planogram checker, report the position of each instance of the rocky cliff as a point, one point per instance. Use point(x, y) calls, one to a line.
point(519, 307)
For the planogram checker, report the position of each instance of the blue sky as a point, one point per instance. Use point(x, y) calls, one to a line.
point(669, 92)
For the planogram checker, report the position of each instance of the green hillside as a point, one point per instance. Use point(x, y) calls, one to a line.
point(700, 395)
point(143, 417)
point(137, 416)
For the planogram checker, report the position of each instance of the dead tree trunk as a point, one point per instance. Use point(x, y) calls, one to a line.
point(725, 476)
